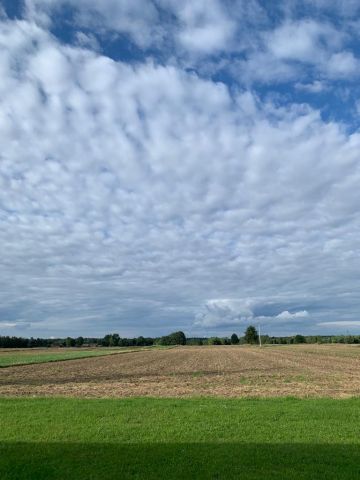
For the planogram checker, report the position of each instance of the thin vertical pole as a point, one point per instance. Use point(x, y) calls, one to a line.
point(259, 335)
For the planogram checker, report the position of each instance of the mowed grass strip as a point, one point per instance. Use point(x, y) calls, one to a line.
point(27, 357)
point(176, 439)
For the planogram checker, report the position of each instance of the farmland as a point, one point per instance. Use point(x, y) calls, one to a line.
point(222, 371)
point(10, 357)
point(211, 412)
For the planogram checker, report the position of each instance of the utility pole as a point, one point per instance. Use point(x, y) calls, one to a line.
point(259, 335)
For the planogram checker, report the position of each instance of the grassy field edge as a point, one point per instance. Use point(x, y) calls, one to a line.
point(93, 439)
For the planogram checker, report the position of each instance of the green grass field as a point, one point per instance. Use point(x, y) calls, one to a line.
point(25, 357)
point(178, 439)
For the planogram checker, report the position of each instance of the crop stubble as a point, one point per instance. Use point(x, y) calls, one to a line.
point(225, 371)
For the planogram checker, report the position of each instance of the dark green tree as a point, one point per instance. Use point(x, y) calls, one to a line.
point(176, 338)
point(70, 342)
point(114, 340)
point(299, 339)
point(79, 341)
point(106, 340)
point(141, 341)
point(251, 335)
point(234, 339)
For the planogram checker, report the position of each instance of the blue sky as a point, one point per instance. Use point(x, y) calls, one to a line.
point(174, 165)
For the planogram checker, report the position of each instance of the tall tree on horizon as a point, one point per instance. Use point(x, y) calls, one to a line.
point(251, 335)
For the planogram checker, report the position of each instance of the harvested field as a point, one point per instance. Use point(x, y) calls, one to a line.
point(225, 371)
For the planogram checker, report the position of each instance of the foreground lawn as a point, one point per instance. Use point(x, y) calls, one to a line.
point(178, 439)
point(25, 357)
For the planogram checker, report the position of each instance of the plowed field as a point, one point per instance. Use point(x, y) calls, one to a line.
point(225, 371)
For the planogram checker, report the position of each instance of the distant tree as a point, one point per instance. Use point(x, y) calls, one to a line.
point(214, 341)
point(79, 341)
point(114, 340)
point(251, 335)
point(141, 341)
point(176, 338)
point(349, 339)
point(234, 339)
point(123, 342)
point(299, 339)
point(106, 340)
point(111, 340)
point(69, 342)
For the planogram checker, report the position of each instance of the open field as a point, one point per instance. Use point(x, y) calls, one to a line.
point(43, 439)
point(223, 371)
point(203, 438)
point(28, 356)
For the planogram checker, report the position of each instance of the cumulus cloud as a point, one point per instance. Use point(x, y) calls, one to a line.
point(131, 193)
point(298, 40)
point(286, 315)
point(343, 64)
point(205, 25)
point(224, 313)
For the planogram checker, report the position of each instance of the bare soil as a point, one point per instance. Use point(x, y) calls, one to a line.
point(224, 371)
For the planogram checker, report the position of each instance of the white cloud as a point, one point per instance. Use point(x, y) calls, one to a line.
point(343, 64)
point(315, 87)
point(87, 40)
point(340, 323)
point(4, 326)
point(303, 41)
point(286, 315)
point(223, 313)
point(205, 26)
point(7, 324)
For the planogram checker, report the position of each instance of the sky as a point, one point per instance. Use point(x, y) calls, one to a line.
point(171, 165)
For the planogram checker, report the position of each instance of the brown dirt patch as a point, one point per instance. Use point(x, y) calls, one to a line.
point(226, 371)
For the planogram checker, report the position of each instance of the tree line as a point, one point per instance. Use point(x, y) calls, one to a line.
point(109, 340)
point(250, 336)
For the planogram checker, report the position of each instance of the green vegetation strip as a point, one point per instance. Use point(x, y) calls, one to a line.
point(176, 439)
point(26, 357)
